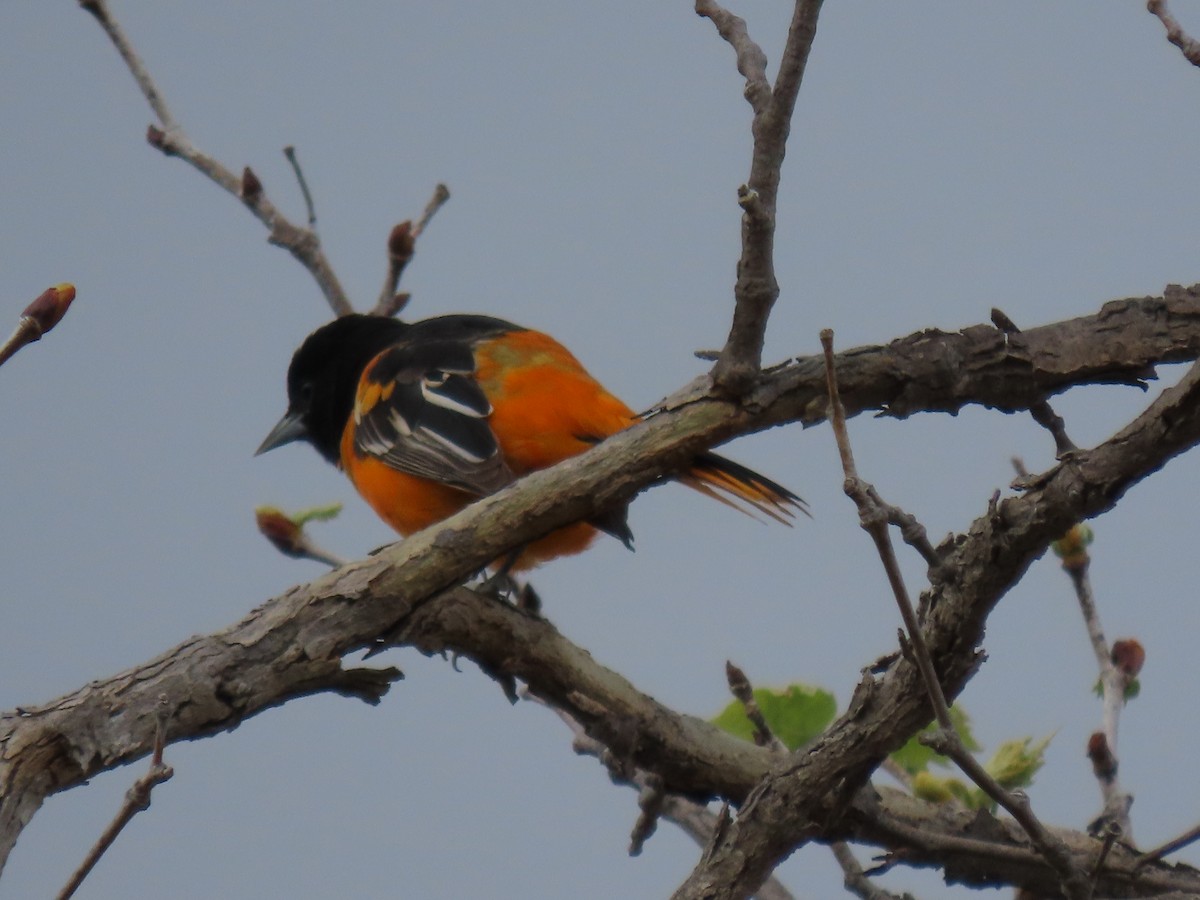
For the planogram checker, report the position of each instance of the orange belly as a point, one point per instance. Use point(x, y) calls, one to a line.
point(546, 409)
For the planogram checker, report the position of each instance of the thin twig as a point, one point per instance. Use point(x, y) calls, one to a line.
point(696, 820)
point(1111, 833)
point(171, 140)
point(651, 801)
point(945, 739)
point(911, 529)
point(1040, 409)
point(740, 687)
point(1114, 681)
point(137, 798)
point(1188, 45)
point(441, 194)
point(856, 880)
point(401, 245)
point(1188, 837)
point(875, 524)
point(290, 152)
point(757, 288)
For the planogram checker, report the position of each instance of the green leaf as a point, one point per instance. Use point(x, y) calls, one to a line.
point(317, 513)
point(1016, 762)
point(943, 789)
point(796, 714)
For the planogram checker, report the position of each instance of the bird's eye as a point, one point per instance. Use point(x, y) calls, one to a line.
point(305, 393)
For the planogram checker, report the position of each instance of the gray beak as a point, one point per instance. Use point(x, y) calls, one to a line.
point(289, 428)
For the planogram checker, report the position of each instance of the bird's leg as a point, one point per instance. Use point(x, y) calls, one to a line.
point(503, 585)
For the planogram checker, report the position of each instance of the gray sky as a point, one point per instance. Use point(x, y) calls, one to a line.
point(945, 158)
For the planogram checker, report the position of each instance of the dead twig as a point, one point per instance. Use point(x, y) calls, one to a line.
point(137, 798)
point(1117, 672)
point(169, 138)
point(856, 880)
point(290, 152)
point(1039, 409)
point(757, 289)
point(1187, 45)
point(743, 692)
point(1188, 837)
point(401, 245)
point(695, 819)
point(945, 739)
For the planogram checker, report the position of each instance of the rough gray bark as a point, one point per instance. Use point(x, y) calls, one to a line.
point(292, 645)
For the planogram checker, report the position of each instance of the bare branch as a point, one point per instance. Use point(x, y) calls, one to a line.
point(1188, 837)
point(137, 799)
point(946, 740)
point(1188, 45)
point(874, 522)
point(751, 61)
point(1041, 412)
point(856, 880)
point(788, 808)
point(694, 819)
point(757, 288)
point(292, 646)
point(739, 686)
point(1114, 680)
point(171, 140)
point(441, 194)
point(401, 245)
point(290, 152)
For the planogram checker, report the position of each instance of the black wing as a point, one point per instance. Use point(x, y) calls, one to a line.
point(420, 410)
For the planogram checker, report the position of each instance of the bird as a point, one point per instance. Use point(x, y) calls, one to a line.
point(424, 417)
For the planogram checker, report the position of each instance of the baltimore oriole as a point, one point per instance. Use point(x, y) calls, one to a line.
point(424, 417)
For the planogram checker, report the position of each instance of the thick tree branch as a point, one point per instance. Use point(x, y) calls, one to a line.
point(794, 805)
point(170, 138)
point(292, 646)
point(978, 850)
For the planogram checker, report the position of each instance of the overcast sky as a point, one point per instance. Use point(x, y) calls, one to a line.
point(945, 158)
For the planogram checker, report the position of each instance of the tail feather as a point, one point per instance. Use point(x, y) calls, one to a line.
point(727, 481)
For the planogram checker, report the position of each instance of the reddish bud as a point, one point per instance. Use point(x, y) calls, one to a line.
point(1104, 764)
point(39, 317)
point(739, 684)
point(401, 244)
point(157, 138)
point(1129, 656)
point(251, 188)
point(49, 308)
point(1003, 322)
point(285, 533)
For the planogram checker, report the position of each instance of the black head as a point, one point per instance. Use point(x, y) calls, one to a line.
point(322, 380)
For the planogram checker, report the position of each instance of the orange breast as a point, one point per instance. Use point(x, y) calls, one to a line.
point(546, 408)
